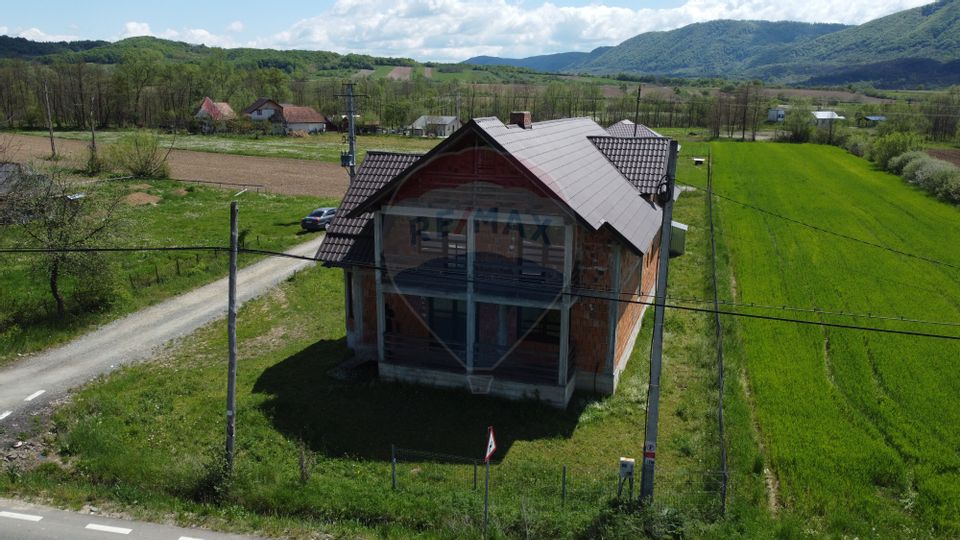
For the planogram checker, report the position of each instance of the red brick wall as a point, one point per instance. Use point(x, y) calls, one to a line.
point(368, 290)
point(589, 317)
point(628, 313)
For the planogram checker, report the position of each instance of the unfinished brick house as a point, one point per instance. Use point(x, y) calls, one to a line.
point(500, 260)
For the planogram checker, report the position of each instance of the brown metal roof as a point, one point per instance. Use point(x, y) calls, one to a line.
point(626, 128)
point(349, 240)
point(302, 115)
point(642, 161)
point(561, 154)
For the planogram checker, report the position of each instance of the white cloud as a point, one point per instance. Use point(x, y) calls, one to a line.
point(134, 28)
point(35, 34)
point(456, 29)
point(235, 26)
point(3, 29)
point(189, 35)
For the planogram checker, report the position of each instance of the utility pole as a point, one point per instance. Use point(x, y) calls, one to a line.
point(636, 112)
point(349, 159)
point(458, 107)
point(656, 350)
point(232, 340)
point(46, 100)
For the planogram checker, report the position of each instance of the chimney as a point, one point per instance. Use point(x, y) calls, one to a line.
point(522, 119)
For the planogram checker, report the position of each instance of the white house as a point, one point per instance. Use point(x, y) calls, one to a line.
point(826, 118)
point(435, 126)
point(287, 117)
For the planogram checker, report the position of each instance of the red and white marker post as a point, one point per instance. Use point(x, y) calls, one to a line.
point(491, 448)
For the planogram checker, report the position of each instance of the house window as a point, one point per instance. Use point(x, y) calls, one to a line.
point(448, 319)
point(537, 324)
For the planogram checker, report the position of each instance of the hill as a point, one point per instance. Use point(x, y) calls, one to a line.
point(546, 62)
point(908, 48)
point(18, 47)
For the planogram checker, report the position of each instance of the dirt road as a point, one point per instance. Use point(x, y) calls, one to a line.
point(277, 175)
point(36, 380)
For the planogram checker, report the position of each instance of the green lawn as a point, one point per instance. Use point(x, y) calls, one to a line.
point(184, 215)
point(147, 436)
point(322, 147)
point(859, 429)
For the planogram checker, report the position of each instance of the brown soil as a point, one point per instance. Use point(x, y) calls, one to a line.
point(947, 154)
point(179, 192)
point(140, 187)
point(400, 73)
point(276, 175)
point(140, 198)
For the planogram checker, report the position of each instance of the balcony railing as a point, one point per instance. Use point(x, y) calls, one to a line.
point(530, 363)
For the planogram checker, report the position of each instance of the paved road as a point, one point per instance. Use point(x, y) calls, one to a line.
point(29, 383)
point(24, 521)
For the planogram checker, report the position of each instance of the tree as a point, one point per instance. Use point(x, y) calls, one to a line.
point(53, 217)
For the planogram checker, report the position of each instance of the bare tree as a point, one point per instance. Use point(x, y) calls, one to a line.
point(46, 100)
point(51, 216)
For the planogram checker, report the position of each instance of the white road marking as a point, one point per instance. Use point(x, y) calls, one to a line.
point(34, 395)
point(5, 414)
point(107, 528)
point(189, 538)
point(24, 517)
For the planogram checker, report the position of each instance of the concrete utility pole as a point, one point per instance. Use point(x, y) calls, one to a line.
point(656, 350)
point(349, 160)
point(232, 339)
point(636, 113)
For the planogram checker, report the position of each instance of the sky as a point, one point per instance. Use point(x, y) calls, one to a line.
point(438, 30)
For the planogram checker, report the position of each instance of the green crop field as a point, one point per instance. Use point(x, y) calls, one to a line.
point(860, 430)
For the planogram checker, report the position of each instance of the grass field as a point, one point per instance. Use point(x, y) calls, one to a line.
point(183, 215)
point(859, 429)
point(321, 147)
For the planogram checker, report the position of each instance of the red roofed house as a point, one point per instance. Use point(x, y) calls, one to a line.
point(214, 114)
point(512, 259)
point(287, 117)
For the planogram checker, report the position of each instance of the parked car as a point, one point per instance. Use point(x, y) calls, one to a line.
point(318, 219)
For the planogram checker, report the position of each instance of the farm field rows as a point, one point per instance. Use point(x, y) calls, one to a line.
point(859, 428)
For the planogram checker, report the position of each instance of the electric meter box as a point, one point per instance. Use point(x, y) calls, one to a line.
point(626, 467)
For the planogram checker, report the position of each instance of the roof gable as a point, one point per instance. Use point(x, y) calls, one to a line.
point(626, 128)
point(349, 240)
point(642, 161)
point(561, 157)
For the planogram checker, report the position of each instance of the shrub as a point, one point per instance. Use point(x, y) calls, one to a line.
point(141, 155)
point(858, 145)
point(897, 164)
point(887, 146)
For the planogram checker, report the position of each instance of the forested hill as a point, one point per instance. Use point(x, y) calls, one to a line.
point(911, 47)
point(104, 52)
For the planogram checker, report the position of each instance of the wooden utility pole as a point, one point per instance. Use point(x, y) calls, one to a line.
point(232, 340)
point(46, 101)
point(656, 350)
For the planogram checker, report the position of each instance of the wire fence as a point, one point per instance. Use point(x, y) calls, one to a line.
point(536, 489)
point(718, 333)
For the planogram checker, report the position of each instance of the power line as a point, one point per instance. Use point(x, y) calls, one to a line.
point(578, 292)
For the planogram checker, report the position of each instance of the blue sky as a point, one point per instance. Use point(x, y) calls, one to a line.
point(446, 30)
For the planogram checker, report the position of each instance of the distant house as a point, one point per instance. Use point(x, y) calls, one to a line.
point(498, 262)
point(826, 118)
point(434, 126)
point(286, 117)
point(214, 114)
point(777, 114)
point(626, 128)
point(262, 109)
point(871, 120)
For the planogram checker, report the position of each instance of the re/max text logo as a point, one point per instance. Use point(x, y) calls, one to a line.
point(531, 227)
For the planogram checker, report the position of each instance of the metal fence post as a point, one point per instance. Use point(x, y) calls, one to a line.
point(474, 474)
point(563, 488)
point(393, 465)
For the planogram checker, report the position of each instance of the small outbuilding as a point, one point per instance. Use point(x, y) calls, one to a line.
point(434, 126)
point(214, 114)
